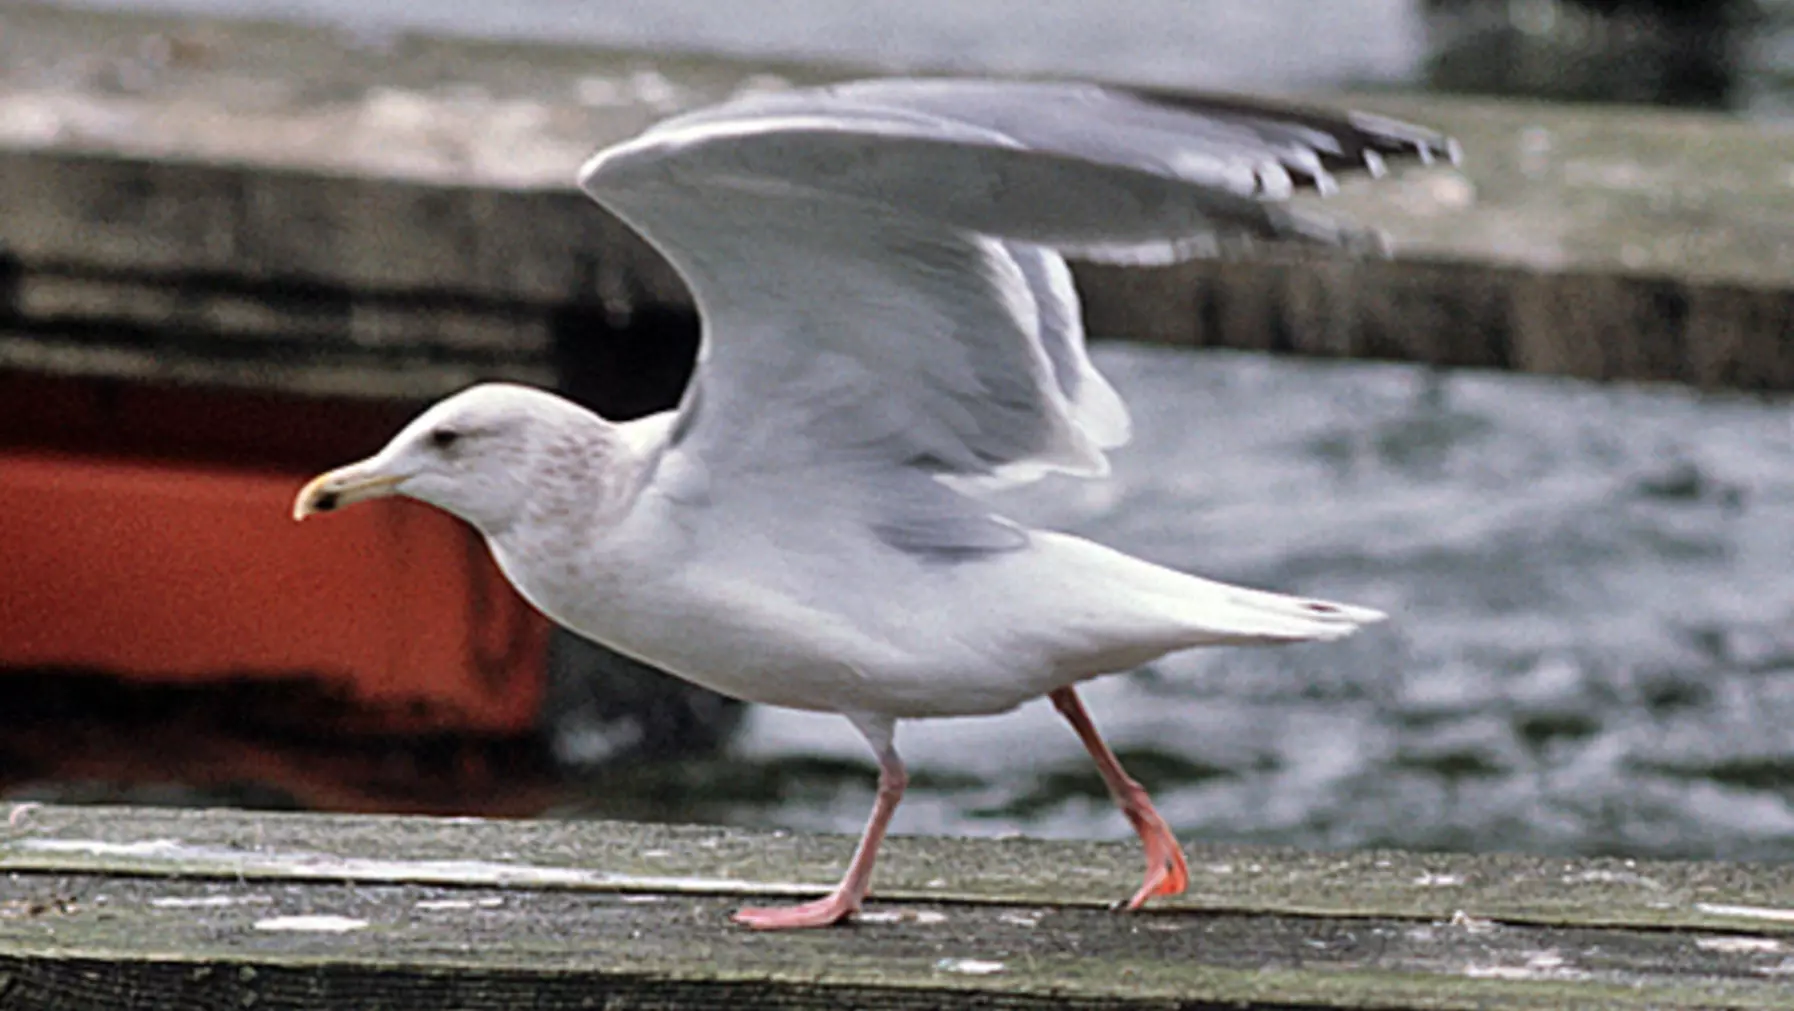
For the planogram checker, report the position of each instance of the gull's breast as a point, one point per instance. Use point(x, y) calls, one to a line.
point(886, 646)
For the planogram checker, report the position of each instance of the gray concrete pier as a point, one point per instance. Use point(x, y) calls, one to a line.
point(282, 207)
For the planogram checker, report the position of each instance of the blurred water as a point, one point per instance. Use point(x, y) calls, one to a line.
point(1591, 647)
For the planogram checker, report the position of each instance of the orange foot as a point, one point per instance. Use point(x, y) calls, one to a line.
point(824, 912)
point(1166, 872)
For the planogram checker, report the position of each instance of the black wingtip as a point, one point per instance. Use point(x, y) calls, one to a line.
point(1396, 139)
point(1344, 142)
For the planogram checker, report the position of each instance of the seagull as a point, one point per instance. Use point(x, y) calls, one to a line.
point(890, 332)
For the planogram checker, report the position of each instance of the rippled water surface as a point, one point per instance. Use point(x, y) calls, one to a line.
point(1590, 650)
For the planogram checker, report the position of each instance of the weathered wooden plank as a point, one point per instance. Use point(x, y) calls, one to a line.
point(623, 857)
point(83, 940)
point(151, 908)
point(244, 161)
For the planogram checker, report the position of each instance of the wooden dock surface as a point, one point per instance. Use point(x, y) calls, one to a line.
point(150, 908)
point(270, 206)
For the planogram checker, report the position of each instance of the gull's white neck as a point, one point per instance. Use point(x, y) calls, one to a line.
point(584, 477)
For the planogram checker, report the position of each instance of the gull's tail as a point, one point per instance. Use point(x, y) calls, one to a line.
point(1098, 611)
point(1274, 617)
point(1220, 614)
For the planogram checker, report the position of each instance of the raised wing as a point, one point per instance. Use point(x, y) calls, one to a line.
point(878, 268)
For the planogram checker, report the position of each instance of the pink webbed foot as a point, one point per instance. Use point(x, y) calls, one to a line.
point(824, 912)
point(844, 901)
point(1166, 871)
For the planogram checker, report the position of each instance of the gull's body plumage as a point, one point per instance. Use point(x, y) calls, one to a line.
point(889, 329)
point(800, 607)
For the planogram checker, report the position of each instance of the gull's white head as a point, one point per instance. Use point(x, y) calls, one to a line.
point(486, 455)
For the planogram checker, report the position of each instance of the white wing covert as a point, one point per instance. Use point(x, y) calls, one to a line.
point(878, 268)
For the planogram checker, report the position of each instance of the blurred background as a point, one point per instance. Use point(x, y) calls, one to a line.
point(1591, 648)
point(1716, 53)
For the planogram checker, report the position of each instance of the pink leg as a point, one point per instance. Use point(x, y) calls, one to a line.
point(845, 900)
point(1166, 872)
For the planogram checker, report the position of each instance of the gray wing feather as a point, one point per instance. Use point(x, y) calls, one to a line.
point(1096, 407)
point(964, 176)
point(879, 268)
point(1097, 172)
point(1151, 128)
point(841, 333)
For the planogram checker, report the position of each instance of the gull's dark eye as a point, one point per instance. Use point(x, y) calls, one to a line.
point(443, 438)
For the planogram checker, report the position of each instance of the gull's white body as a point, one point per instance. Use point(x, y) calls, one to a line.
point(791, 611)
point(889, 330)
